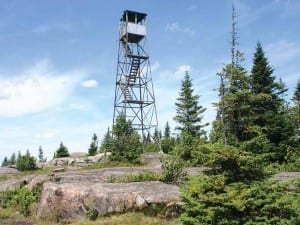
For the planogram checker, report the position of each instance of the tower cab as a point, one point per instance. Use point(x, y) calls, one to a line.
point(133, 27)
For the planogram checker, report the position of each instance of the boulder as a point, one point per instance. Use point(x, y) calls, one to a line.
point(76, 155)
point(59, 170)
point(8, 170)
point(74, 200)
point(13, 184)
point(98, 175)
point(38, 181)
point(151, 158)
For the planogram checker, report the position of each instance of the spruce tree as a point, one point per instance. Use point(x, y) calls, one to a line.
point(189, 113)
point(62, 151)
point(93, 149)
point(263, 87)
point(5, 162)
point(25, 162)
point(167, 132)
point(296, 107)
point(41, 155)
point(269, 114)
point(106, 143)
point(231, 124)
point(126, 145)
point(13, 159)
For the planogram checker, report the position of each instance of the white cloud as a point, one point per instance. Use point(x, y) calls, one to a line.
point(192, 7)
point(36, 89)
point(175, 27)
point(282, 51)
point(178, 74)
point(89, 83)
point(46, 134)
point(155, 67)
point(47, 28)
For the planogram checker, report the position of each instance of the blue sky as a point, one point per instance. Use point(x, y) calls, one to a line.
point(58, 60)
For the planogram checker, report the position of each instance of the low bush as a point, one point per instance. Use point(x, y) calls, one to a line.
point(173, 170)
point(92, 214)
point(21, 199)
point(140, 177)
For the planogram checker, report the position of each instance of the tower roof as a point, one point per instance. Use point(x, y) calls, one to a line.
point(132, 15)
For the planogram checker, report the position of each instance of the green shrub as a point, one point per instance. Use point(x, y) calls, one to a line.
point(140, 177)
point(26, 162)
point(173, 169)
point(92, 214)
point(210, 200)
point(126, 145)
point(151, 147)
point(20, 199)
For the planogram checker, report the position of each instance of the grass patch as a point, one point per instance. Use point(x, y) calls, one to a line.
point(3, 177)
point(109, 164)
point(19, 200)
point(134, 218)
point(140, 177)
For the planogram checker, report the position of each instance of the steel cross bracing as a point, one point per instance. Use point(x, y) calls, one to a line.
point(134, 92)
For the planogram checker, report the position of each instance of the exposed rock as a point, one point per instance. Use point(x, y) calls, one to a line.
point(73, 200)
point(151, 158)
point(59, 170)
point(98, 175)
point(8, 170)
point(78, 155)
point(40, 165)
point(38, 181)
point(13, 184)
point(77, 159)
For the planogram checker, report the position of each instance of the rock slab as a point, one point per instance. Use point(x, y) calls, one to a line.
point(73, 200)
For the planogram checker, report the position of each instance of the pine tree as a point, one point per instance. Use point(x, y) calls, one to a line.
point(93, 149)
point(62, 151)
point(41, 155)
point(189, 113)
point(167, 132)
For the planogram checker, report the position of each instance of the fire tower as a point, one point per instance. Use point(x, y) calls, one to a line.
point(134, 93)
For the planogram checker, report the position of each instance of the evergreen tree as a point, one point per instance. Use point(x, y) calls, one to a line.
point(156, 135)
point(167, 132)
point(5, 162)
point(41, 155)
point(231, 124)
point(106, 143)
point(296, 107)
point(126, 145)
point(189, 113)
point(13, 159)
point(269, 114)
point(62, 151)
point(263, 87)
point(25, 162)
point(93, 149)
